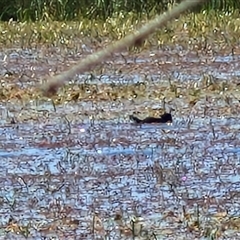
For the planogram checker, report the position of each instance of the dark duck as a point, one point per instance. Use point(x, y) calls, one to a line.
point(165, 118)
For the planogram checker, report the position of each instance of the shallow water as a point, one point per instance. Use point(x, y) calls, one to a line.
point(57, 173)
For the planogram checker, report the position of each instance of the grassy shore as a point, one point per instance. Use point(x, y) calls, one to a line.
point(190, 30)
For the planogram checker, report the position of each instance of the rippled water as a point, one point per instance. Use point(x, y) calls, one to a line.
point(53, 170)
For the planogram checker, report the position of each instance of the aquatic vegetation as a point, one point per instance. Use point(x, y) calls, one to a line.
point(74, 165)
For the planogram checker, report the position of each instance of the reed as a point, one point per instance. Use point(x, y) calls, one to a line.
point(64, 10)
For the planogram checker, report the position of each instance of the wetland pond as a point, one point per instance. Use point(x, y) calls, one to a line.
point(85, 171)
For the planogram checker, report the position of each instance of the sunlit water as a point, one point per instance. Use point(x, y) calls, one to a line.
point(104, 166)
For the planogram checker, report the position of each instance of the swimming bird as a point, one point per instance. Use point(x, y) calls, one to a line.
point(165, 118)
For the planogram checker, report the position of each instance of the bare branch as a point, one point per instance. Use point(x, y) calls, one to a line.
point(91, 61)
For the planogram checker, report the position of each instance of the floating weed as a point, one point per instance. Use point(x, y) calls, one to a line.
point(98, 228)
point(14, 227)
point(212, 128)
point(158, 172)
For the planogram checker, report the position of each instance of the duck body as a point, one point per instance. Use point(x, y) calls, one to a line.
point(165, 118)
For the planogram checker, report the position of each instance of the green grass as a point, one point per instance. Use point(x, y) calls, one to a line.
point(210, 28)
point(66, 10)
